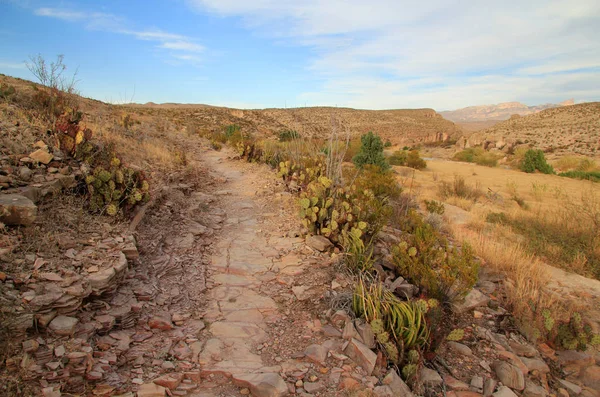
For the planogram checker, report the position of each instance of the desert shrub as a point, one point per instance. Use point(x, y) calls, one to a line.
point(128, 121)
point(535, 160)
point(387, 143)
point(414, 160)
point(426, 259)
point(352, 149)
point(459, 188)
point(288, 135)
point(249, 149)
point(497, 218)
point(575, 163)
point(539, 190)
point(216, 145)
point(358, 254)
point(409, 159)
point(7, 92)
point(373, 190)
point(232, 130)
point(434, 207)
point(57, 94)
point(371, 152)
point(398, 158)
point(520, 201)
point(478, 156)
point(568, 238)
point(572, 333)
point(593, 176)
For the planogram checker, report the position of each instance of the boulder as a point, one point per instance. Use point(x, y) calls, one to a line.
point(535, 364)
point(17, 210)
point(262, 385)
point(460, 348)
point(533, 390)
point(473, 299)
point(320, 243)
point(366, 334)
point(509, 375)
point(504, 391)
point(316, 353)
point(170, 381)
point(395, 382)
point(361, 355)
point(572, 388)
point(63, 325)
point(430, 377)
point(164, 324)
point(151, 390)
point(41, 156)
point(590, 377)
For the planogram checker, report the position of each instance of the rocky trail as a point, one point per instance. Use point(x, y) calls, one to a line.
point(212, 291)
point(251, 319)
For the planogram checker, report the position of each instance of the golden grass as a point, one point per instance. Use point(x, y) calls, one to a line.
point(526, 276)
point(549, 198)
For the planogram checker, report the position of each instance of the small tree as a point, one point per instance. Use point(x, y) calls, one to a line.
point(58, 95)
point(371, 152)
point(535, 160)
point(415, 161)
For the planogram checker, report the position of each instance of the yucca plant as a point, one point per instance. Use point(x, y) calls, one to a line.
point(403, 320)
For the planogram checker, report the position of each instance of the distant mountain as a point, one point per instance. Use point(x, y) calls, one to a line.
point(499, 112)
point(562, 130)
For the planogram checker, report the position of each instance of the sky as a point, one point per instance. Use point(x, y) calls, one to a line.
point(376, 54)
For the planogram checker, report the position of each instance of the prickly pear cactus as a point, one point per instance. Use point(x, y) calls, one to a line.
point(116, 188)
point(328, 211)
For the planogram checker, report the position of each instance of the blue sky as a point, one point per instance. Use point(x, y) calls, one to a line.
point(443, 54)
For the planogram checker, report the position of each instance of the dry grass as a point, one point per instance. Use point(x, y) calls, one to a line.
point(551, 200)
point(526, 294)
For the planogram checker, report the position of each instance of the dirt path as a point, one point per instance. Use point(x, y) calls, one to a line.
point(257, 321)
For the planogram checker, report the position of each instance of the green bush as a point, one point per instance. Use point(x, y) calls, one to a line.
point(478, 156)
point(371, 152)
point(459, 188)
point(388, 143)
point(288, 135)
point(415, 161)
point(426, 259)
point(232, 130)
point(535, 160)
point(398, 158)
point(435, 207)
point(593, 176)
point(7, 91)
point(410, 159)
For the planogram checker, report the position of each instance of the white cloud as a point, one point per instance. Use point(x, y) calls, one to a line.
point(183, 46)
point(180, 47)
point(380, 53)
point(66, 15)
point(12, 65)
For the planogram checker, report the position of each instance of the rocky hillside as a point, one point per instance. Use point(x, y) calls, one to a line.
point(404, 126)
point(499, 112)
point(569, 129)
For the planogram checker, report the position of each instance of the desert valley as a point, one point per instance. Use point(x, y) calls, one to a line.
point(210, 251)
point(220, 198)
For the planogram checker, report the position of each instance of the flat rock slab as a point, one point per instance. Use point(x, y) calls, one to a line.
point(473, 299)
point(239, 298)
point(262, 385)
point(509, 375)
point(17, 210)
point(362, 355)
point(227, 329)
